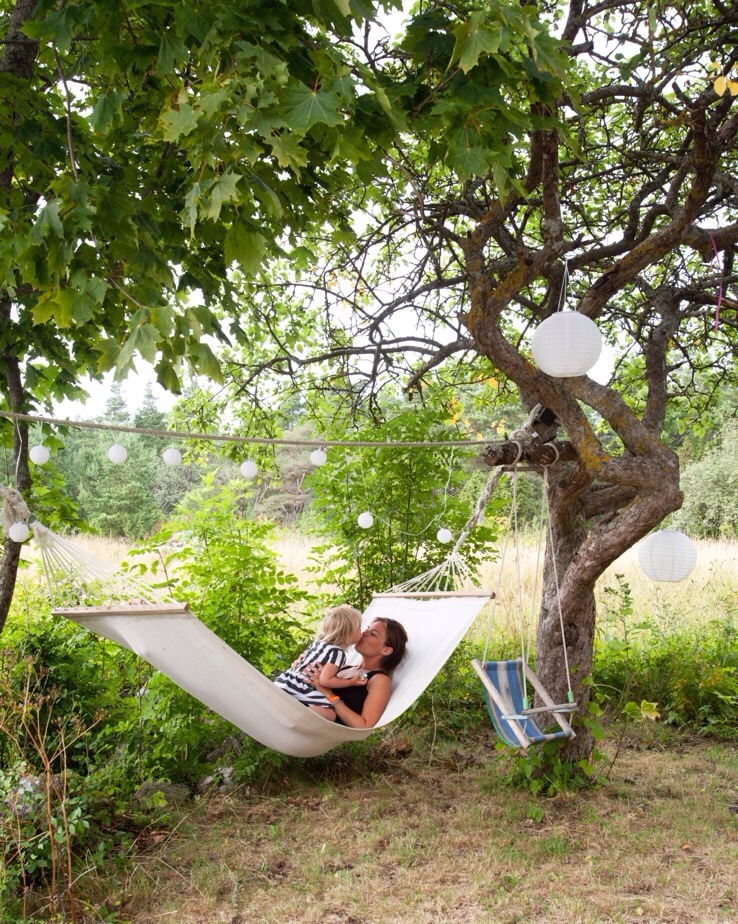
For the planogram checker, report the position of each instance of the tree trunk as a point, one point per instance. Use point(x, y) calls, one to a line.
point(591, 524)
point(566, 623)
point(12, 550)
point(17, 58)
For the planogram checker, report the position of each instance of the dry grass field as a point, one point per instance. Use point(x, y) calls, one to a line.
point(711, 589)
point(418, 841)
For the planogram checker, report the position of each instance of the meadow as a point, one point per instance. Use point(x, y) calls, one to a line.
point(711, 591)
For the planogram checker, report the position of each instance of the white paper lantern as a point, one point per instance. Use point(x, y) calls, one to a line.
point(39, 455)
point(365, 520)
point(444, 535)
point(318, 457)
point(172, 456)
point(249, 468)
point(566, 344)
point(667, 555)
point(117, 454)
point(19, 532)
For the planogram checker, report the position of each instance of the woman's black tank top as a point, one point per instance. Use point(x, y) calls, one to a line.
point(355, 697)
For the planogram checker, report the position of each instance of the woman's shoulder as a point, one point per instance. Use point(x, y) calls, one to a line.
point(376, 673)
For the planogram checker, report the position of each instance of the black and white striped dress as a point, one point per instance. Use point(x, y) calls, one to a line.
point(292, 680)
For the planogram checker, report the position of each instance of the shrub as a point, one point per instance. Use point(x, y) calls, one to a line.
point(689, 671)
point(410, 494)
point(220, 564)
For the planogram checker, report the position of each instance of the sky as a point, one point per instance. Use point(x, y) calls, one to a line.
point(133, 389)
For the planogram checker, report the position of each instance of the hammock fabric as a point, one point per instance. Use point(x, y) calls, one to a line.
point(171, 639)
point(504, 685)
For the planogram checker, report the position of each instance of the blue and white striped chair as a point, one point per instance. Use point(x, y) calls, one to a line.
point(505, 691)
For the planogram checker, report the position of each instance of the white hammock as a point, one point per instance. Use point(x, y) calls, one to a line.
point(175, 642)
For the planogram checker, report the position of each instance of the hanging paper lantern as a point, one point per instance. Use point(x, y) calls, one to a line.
point(444, 535)
point(249, 468)
point(19, 532)
point(172, 456)
point(566, 344)
point(667, 555)
point(117, 454)
point(318, 457)
point(39, 455)
point(365, 520)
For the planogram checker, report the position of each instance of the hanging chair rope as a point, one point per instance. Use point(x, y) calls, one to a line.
point(526, 434)
point(570, 693)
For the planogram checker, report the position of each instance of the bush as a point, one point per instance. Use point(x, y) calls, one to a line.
point(689, 671)
point(710, 485)
point(410, 494)
point(221, 565)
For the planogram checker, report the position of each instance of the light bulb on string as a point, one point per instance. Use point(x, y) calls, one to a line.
point(172, 456)
point(318, 457)
point(19, 532)
point(249, 468)
point(117, 454)
point(39, 455)
point(444, 535)
point(365, 520)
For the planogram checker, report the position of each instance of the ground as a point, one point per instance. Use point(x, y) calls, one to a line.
point(441, 838)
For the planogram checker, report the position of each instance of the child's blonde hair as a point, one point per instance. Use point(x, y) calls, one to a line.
point(339, 624)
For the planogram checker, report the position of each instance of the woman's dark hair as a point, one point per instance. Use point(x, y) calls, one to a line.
point(396, 639)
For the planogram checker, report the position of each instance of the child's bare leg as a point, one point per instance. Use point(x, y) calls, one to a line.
point(325, 711)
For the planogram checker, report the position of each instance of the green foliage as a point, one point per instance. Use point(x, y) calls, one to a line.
point(117, 500)
point(78, 670)
point(411, 493)
point(710, 485)
point(686, 673)
point(220, 564)
point(126, 500)
point(452, 705)
point(55, 820)
point(542, 770)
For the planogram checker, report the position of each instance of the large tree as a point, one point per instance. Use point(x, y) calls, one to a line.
point(629, 177)
point(149, 150)
point(144, 149)
point(490, 146)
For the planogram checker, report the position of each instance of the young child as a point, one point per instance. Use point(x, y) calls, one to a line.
point(339, 628)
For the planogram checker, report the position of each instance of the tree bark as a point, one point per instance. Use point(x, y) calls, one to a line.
point(12, 550)
point(18, 57)
point(566, 622)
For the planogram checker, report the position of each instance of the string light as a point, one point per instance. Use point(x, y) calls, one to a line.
point(172, 456)
point(19, 532)
point(117, 454)
point(249, 468)
point(255, 440)
point(39, 455)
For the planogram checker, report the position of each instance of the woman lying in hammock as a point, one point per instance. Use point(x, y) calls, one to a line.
point(381, 646)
